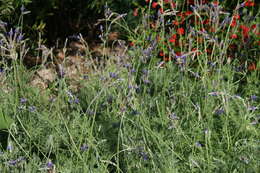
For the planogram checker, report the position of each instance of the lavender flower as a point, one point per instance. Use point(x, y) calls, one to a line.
point(15, 162)
point(9, 147)
point(173, 116)
point(253, 97)
point(10, 33)
point(219, 111)
point(198, 144)
point(20, 37)
point(23, 100)
point(134, 112)
point(49, 165)
point(32, 108)
point(144, 155)
point(113, 75)
point(145, 72)
point(252, 108)
point(84, 147)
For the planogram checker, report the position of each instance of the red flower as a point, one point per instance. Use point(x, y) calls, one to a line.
point(206, 21)
point(233, 22)
point(161, 53)
point(215, 3)
point(233, 36)
point(178, 53)
point(135, 12)
point(180, 31)
point(161, 10)
point(154, 4)
point(253, 26)
point(187, 13)
point(173, 5)
point(147, 1)
point(175, 22)
point(236, 16)
point(251, 67)
point(166, 59)
point(245, 30)
point(249, 3)
point(190, 2)
point(173, 38)
point(131, 44)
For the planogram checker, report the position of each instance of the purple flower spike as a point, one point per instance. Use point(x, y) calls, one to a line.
point(113, 75)
point(84, 147)
point(252, 108)
point(253, 97)
point(32, 108)
point(144, 155)
point(219, 112)
point(49, 165)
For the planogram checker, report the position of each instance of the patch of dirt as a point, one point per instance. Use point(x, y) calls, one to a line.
point(73, 62)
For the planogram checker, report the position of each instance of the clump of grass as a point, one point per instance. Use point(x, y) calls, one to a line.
point(169, 106)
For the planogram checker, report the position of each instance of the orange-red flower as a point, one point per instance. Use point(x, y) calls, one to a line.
point(187, 13)
point(249, 3)
point(245, 30)
point(173, 38)
point(135, 12)
point(251, 67)
point(154, 4)
point(175, 22)
point(180, 31)
point(233, 36)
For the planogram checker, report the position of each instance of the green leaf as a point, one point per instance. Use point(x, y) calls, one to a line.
point(5, 121)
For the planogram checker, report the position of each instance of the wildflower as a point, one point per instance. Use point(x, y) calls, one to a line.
point(74, 100)
point(32, 108)
point(233, 22)
point(198, 144)
point(252, 108)
point(180, 31)
point(9, 147)
point(134, 112)
point(154, 4)
point(187, 13)
point(143, 155)
point(251, 67)
point(23, 100)
point(173, 5)
point(15, 162)
point(253, 97)
point(245, 30)
point(135, 12)
point(131, 44)
point(113, 75)
point(249, 3)
point(233, 36)
point(214, 93)
point(49, 165)
point(20, 37)
point(85, 77)
point(145, 72)
point(84, 147)
point(173, 38)
point(219, 111)
point(173, 116)
point(146, 81)
point(10, 33)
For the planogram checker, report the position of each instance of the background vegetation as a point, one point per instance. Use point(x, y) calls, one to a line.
point(184, 97)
